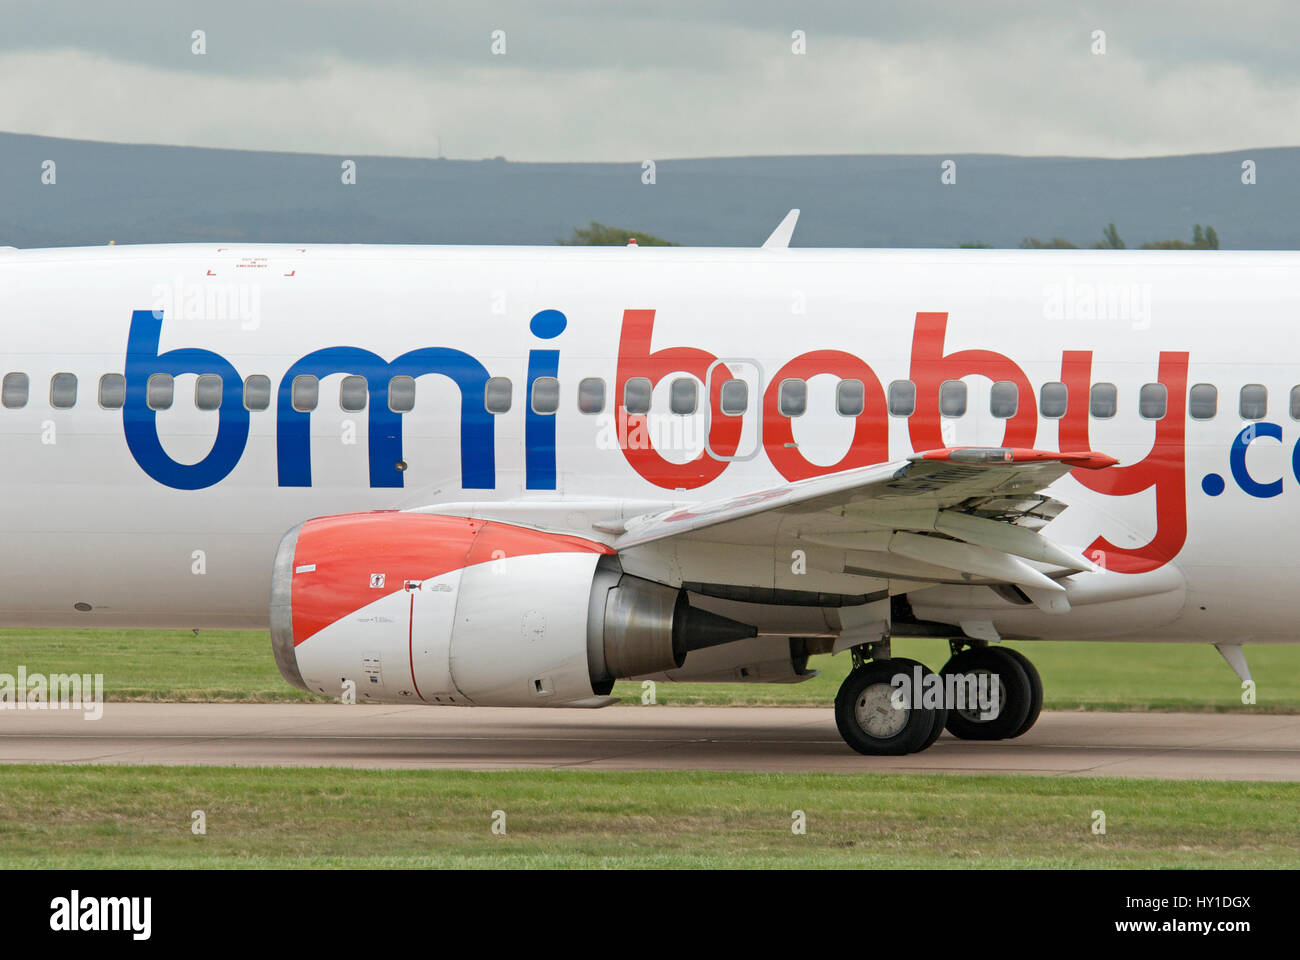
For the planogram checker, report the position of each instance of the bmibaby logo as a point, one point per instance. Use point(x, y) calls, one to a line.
point(102, 914)
point(955, 691)
point(1161, 473)
point(57, 691)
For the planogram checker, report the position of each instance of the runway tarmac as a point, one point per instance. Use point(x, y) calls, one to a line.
point(766, 739)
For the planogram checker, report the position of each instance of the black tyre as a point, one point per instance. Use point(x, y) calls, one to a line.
point(940, 713)
point(1014, 695)
point(940, 721)
point(867, 717)
point(1035, 690)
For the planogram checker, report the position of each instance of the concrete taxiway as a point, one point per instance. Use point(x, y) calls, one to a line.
point(1212, 746)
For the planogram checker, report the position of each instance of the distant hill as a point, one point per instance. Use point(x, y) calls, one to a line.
point(150, 194)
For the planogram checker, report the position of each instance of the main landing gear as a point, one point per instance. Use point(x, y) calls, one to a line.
point(891, 705)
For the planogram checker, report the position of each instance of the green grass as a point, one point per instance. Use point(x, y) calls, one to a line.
point(238, 666)
point(106, 816)
point(158, 664)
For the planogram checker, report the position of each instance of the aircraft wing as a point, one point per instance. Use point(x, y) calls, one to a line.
point(966, 511)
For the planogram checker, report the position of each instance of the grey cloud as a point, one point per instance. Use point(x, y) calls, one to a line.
point(601, 80)
point(286, 38)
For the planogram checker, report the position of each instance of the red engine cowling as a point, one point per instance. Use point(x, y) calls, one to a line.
point(423, 608)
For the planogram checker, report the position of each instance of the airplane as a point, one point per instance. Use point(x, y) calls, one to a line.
point(510, 476)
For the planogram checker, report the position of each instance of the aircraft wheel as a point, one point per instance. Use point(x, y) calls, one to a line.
point(869, 719)
point(1014, 695)
point(1035, 690)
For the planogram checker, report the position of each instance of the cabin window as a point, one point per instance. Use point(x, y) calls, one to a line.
point(1295, 403)
point(1053, 399)
point(1203, 401)
point(591, 395)
point(353, 394)
point(793, 398)
point(546, 395)
point(112, 391)
point(305, 393)
point(636, 395)
point(1153, 399)
point(160, 391)
point(14, 389)
point(401, 394)
point(1104, 400)
point(1004, 399)
point(683, 397)
point(902, 398)
point(257, 392)
point(497, 395)
point(207, 392)
point(952, 398)
point(1254, 401)
point(63, 390)
point(850, 398)
point(735, 397)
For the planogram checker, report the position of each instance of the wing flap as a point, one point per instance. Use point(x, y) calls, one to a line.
point(940, 479)
point(951, 512)
point(970, 558)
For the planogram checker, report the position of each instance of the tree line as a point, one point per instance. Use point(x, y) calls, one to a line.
point(1203, 238)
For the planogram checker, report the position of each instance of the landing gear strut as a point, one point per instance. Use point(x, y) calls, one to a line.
point(882, 710)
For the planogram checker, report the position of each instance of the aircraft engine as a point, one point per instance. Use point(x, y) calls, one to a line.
point(423, 608)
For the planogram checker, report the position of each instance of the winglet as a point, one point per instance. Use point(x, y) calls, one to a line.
point(780, 238)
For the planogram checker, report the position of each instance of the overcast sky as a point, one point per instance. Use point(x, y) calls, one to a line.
point(657, 79)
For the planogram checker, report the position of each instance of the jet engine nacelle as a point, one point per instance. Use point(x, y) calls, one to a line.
point(423, 608)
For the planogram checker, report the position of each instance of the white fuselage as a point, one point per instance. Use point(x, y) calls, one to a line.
point(96, 531)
